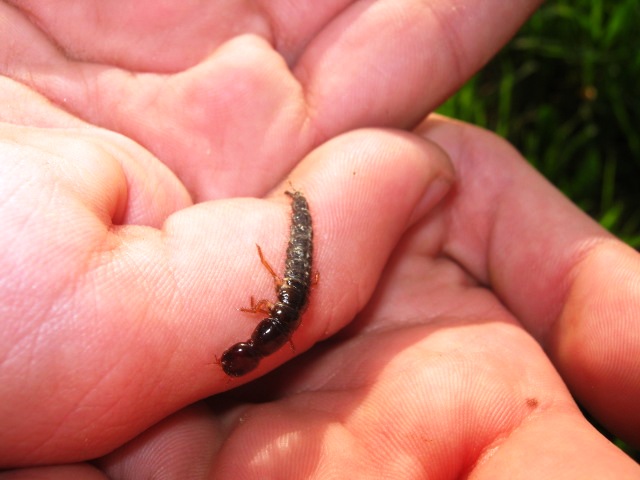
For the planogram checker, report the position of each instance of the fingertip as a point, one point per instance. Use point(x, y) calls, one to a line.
point(596, 340)
point(374, 163)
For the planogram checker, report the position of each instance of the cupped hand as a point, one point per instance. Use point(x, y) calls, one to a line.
point(118, 293)
point(497, 304)
point(440, 375)
point(216, 90)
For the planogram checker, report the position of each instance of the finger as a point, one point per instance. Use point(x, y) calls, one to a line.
point(574, 450)
point(144, 311)
point(409, 56)
point(180, 446)
point(570, 283)
point(78, 471)
point(266, 90)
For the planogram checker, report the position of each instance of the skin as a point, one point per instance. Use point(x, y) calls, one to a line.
point(450, 349)
point(232, 106)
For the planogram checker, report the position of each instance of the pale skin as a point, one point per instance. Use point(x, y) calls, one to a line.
point(460, 296)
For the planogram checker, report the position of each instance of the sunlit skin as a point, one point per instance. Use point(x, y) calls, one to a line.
point(144, 152)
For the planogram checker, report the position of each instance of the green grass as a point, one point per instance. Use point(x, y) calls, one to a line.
point(566, 93)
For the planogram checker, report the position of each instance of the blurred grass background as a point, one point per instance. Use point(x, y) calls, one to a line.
point(566, 93)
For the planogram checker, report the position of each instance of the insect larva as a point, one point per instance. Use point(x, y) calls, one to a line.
point(293, 295)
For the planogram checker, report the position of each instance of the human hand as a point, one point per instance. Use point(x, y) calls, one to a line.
point(492, 305)
point(118, 293)
point(153, 195)
point(231, 95)
point(435, 374)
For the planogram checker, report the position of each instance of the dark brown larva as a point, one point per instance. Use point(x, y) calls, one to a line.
point(293, 294)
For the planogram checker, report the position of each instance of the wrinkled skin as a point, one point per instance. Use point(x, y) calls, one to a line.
point(461, 298)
